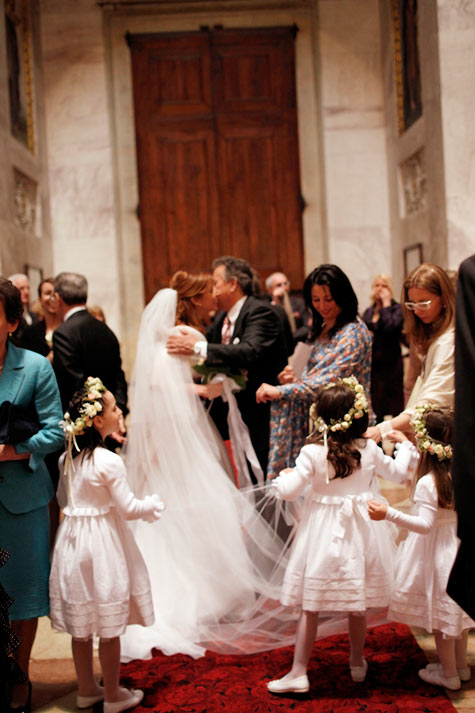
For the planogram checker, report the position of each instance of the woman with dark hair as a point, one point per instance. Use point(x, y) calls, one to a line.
point(27, 385)
point(341, 347)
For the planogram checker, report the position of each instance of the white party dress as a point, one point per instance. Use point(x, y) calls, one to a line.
point(99, 582)
point(341, 561)
point(423, 566)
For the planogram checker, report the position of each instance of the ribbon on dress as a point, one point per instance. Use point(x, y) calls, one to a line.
point(239, 434)
point(68, 468)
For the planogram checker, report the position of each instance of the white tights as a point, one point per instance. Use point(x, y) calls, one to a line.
point(306, 632)
point(452, 653)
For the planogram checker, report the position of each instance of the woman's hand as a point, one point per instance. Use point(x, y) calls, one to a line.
point(385, 296)
point(287, 376)
point(373, 433)
point(213, 391)
point(266, 392)
point(8, 452)
point(377, 510)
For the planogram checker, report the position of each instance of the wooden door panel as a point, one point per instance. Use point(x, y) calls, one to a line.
point(247, 194)
point(175, 74)
point(178, 206)
point(217, 151)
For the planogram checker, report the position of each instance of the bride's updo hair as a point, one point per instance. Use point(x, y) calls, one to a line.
point(187, 286)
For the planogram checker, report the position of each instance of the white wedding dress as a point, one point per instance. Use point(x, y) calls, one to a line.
point(216, 566)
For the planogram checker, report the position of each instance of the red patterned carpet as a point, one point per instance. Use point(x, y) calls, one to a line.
point(237, 684)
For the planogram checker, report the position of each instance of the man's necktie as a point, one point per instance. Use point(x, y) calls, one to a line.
point(226, 331)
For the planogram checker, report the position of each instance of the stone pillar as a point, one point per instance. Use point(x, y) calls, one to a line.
point(80, 149)
point(456, 32)
point(354, 135)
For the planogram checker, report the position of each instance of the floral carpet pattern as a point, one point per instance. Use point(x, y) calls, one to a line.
point(237, 684)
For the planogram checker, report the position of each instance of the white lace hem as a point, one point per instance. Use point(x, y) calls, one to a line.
point(109, 620)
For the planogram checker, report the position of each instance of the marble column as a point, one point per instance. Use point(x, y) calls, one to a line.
point(456, 29)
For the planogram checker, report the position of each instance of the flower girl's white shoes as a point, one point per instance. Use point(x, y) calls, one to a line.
point(464, 672)
point(358, 673)
point(289, 685)
point(88, 701)
point(132, 700)
point(437, 678)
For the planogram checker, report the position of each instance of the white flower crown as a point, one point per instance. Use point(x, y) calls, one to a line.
point(88, 410)
point(443, 451)
point(359, 408)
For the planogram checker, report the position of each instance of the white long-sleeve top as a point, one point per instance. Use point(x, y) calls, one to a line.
point(99, 483)
point(310, 468)
point(436, 382)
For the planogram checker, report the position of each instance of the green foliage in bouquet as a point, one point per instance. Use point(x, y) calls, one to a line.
point(209, 372)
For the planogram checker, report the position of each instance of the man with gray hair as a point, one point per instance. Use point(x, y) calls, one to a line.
point(278, 287)
point(82, 345)
point(22, 283)
point(245, 335)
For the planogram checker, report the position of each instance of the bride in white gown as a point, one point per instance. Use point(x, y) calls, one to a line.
point(215, 564)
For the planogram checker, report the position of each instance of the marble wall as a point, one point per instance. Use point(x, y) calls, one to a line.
point(433, 160)
point(24, 198)
point(352, 103)
point(79, 149)
point(369, 192)
point(456, 35)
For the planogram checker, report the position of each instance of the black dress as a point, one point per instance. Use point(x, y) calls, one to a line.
point(387, 374)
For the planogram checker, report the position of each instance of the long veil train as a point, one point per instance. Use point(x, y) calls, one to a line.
point(215, 563)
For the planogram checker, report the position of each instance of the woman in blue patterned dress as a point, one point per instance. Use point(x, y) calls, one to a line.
point(341, 346)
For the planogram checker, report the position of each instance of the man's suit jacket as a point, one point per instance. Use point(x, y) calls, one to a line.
point(461, 585)
point(257, 345)
point(83, 346)
point(28, 380)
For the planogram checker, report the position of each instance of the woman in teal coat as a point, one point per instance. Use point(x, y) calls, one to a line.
point(27, 380)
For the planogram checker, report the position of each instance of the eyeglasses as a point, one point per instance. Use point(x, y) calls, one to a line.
point(421, 306)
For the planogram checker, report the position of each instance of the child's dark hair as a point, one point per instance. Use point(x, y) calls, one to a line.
point(439, 423)
point(332, 403)
point(90, 438)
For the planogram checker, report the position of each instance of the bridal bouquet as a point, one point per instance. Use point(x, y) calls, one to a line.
point(207, 373)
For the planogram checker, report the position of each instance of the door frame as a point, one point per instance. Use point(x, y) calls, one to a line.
point(166, 17)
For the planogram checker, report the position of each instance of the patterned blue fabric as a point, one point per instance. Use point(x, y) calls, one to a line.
point(347, 353)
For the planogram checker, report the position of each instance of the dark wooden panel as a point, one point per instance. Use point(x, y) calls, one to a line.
point(217, 151)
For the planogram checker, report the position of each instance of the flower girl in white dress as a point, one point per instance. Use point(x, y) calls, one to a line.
point(426, 557)
point(339, 561)
point(99, 582)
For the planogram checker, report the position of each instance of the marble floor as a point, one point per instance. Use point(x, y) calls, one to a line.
point(52, 670)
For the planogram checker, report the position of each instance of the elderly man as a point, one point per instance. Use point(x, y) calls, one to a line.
point(245, 335)
point(278, 287)
point(22, 283)
point(82, 345)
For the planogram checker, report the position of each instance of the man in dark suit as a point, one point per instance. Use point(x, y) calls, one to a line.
point(82, 345)
point(461, 586)
point(245, 335)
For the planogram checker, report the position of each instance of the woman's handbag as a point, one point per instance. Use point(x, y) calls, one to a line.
point(17, 423)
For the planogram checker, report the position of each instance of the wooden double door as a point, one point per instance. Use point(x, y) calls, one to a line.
point(216, 130)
